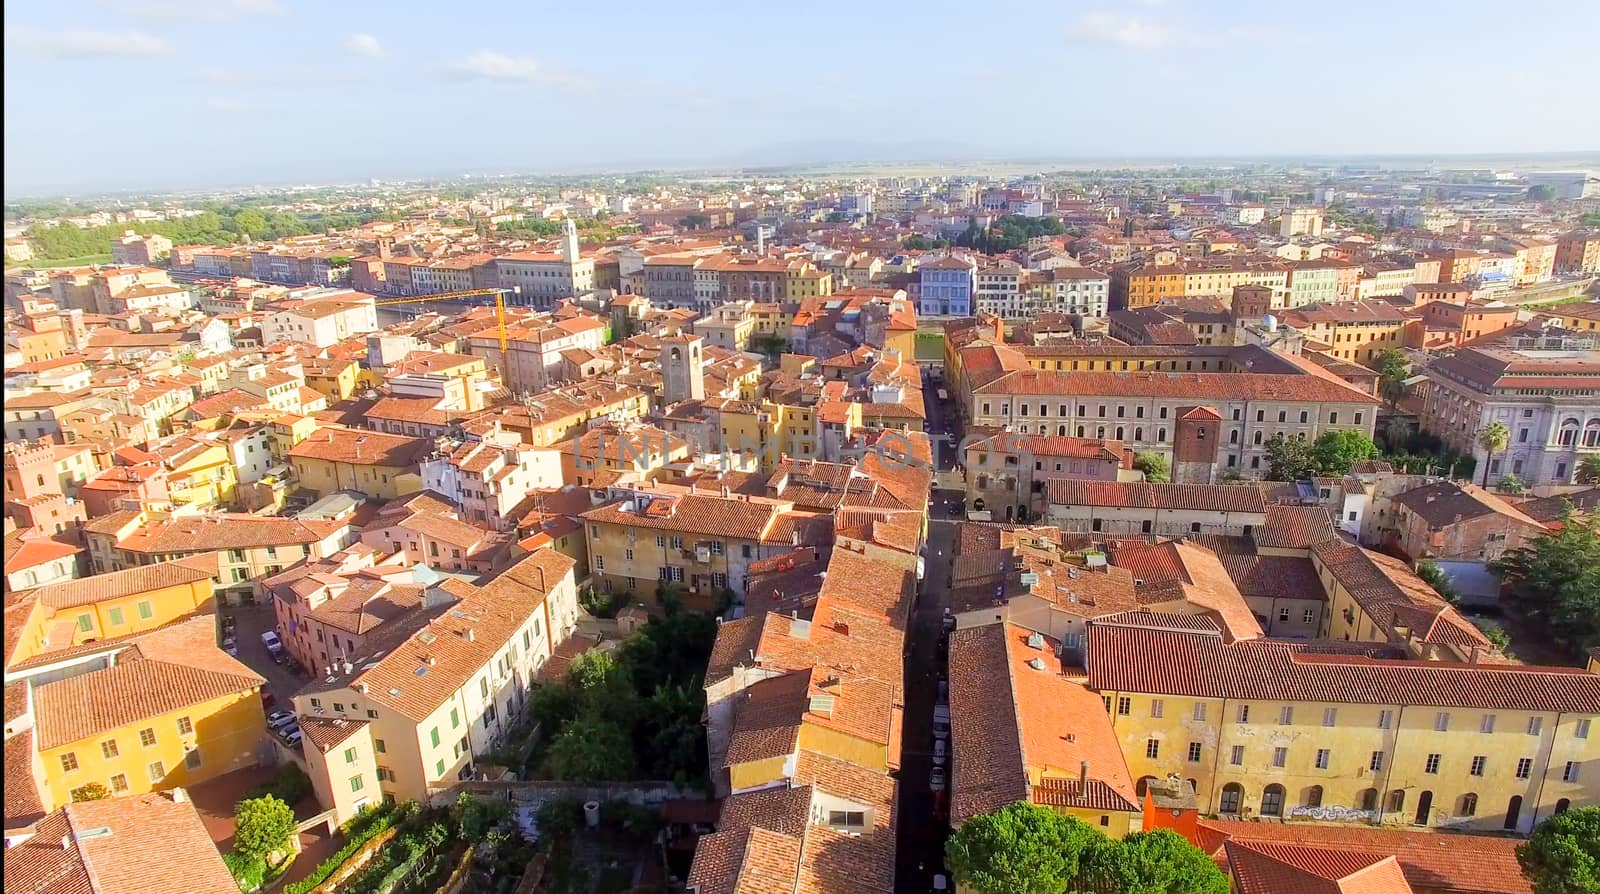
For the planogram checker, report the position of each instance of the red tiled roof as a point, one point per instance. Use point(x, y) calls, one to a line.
point(1468, 864)
point(1143, 495)
point(1204, 666)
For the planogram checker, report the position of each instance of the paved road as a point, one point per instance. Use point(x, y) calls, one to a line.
point(253, 620)
point(922, 816)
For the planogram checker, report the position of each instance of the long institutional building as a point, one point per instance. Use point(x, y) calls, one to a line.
point(1278, 674)
point(1209, 410)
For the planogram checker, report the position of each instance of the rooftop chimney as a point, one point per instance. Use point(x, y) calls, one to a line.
point(1083, 777)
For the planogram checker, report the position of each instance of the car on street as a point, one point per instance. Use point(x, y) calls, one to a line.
point(290, 733)
point(941, 752)
point(280, 718)
point(936, 779)
point(270, 640)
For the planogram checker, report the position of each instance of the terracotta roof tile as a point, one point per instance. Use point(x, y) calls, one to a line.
point(146, 844)
point(166, 670)
point(1143, 495)
point(1203, 665)
point(1431, 861)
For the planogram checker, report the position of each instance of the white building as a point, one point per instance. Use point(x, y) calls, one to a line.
point(544, 277)
point(322, 322)
point(1081, 290)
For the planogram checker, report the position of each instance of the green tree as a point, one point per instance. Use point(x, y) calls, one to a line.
point(1493, 438)
point(1563, 855)
point(1127, 227)
point(250, 222)
point(1336, 451)
point(1154, 466)
point(1544, 192)
point(1289, 459)
point(1392, 372)
point(1589, 469)
point(1019, 849)
point(1158, 862)
point(90, 791)
point(1433, 576)
point(474, 817)
point(592, 749)
point(695, 222)
point(1555, 583)
point(262, 827)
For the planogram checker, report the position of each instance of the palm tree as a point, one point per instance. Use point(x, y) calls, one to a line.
point(1589, 469)
point(1493, 438)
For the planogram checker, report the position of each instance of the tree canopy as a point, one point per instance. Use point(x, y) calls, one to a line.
point(1493, 438)
point(1158, 862)
point(1154, 466)
point(1563, 855)
point(1555, 583)
point(1009, 232)
point(263, 826)
point(592, 748)
point(1290, 459)
point(1019, 849)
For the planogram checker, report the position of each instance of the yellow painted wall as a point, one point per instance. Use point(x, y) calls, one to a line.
point(338, 386)
point(122, 616)
point(331, 774)
point(327, 476)
point(752, 774)
point(226, 730)
point(845, 747)
point(1357, 731)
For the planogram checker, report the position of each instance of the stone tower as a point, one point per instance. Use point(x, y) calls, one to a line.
point(569, 242)
point(682, 370)
point(1195, 446)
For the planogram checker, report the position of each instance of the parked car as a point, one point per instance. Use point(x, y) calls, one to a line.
point(941, 751)
point(271, 641)
point(280, 718)
point(936, 779)
point(290, 732)
point(293, 739)
point(268, 699)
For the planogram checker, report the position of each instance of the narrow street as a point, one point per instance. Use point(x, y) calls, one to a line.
point(922, 814)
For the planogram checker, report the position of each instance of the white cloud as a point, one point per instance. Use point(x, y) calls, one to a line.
point(364, 45)
point(492, 66)
point(1132, 32)
point(68, 44)
point(194, 9)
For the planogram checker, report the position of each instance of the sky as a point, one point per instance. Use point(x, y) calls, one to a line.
point(173, 94)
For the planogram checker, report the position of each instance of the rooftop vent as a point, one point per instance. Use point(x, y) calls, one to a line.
point(1036, 663)
point(1035, 641)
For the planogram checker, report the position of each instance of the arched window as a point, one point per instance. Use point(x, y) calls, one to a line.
point(1513, 812)
point(1563, 804)
point(1468, 805)
point(1368, 799)
point(1569, 432)
point(1100, 432)
point(1138, 435)
point(1424, 808)
point(1143, 785)
point(1080, 431)
point(1061, 430)
point(1397, 800)
point(1232, 796)
point(1312, 797)
point(1272, 800)
point(1591, 433)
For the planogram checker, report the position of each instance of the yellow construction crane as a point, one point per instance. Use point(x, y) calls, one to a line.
point(499, 307)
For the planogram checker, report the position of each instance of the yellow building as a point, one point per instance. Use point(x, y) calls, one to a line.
point(171, 709)
point(377, 464)
point(1151, 284)
point(200, 474)
point(808, 708)
point(108, 606)
point(1357, 331)
point(806, 281)
point(334, 379)
point(1271, 729)
point(702, 541)
point(1021, 731)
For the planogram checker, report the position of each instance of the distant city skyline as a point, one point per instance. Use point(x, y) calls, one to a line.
point(171, 94)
